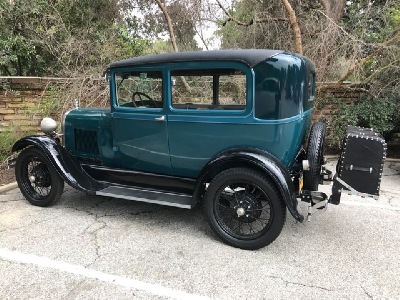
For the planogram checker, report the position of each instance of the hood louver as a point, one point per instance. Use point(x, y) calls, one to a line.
point(86, 141)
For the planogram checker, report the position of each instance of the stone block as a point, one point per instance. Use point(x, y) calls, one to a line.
point(16, 117)
point(6, 111)
point(5, 124)
point(22, 123)
point(21, 105)
point(30, 99)
point(13, 99)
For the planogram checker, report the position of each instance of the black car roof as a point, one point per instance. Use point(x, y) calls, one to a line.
point(250, 57)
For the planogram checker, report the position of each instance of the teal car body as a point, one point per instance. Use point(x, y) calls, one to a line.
point(275, 118)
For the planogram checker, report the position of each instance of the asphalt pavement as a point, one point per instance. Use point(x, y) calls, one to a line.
point(88, 247)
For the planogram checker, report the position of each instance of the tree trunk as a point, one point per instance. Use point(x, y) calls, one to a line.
point(295, 26)
point(334, 9)
point(162, 6)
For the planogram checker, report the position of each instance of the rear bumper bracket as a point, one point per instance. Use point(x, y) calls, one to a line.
point(317, 202)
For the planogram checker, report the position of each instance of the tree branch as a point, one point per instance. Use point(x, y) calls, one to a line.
point(201, 36)
point(163, 8)
point(246, 24)
point(334, 9)
point(340, 27)
point(394, 65)
point(361, 62)
point(295, 26)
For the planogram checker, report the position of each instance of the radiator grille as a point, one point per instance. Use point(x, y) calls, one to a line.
point(86, 141)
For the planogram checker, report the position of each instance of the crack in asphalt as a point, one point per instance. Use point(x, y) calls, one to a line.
point(366, 293)
point(95, 237)
point(8, 200)
point(102, 224)
point(300, 284)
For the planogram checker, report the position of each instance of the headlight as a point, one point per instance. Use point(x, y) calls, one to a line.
point(48, 125)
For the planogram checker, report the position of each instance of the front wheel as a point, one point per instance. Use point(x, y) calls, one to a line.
point(244, 208)
point(37, 179)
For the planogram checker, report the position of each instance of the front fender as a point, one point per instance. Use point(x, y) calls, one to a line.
point(261, 160)
point(65, 164)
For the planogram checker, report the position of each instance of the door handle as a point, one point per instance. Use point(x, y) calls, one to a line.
point(162, 118)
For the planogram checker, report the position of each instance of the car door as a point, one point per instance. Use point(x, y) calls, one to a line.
point(209, 113)
point(140, 139)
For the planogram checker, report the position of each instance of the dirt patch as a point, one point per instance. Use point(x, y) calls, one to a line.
point(6, 175)
point(393, 150)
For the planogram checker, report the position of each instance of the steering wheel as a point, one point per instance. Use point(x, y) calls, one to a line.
point(140, 94)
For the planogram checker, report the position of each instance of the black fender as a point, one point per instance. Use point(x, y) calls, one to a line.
point(65, 164)
point(258, 159)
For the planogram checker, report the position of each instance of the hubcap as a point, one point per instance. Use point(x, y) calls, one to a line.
point(248, 209)
point(241, 211)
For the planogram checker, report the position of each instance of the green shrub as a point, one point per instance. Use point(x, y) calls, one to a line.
point(379, 114)
point(7, 140)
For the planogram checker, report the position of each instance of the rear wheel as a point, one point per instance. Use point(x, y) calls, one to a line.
point(244, 208)
point(37, 179)
point(315, 156)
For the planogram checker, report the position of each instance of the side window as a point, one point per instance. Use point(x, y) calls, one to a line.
point(139, 89)
point(223, 89)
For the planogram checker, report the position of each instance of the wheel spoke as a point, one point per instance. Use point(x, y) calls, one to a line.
point(266, 204)
point(237, 229)
point(259, 218)
point(224, 206)
point(251, 228)
point(262, 224)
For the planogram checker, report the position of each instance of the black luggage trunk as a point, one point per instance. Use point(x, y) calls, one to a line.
point(360, 165)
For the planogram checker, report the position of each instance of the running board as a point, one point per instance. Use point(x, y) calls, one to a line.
point(149, 196)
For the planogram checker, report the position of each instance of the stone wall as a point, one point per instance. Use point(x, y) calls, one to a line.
point(20, 98)
point(347, 93)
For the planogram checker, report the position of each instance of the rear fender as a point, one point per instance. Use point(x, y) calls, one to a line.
point(259, 160)
point(65, 164)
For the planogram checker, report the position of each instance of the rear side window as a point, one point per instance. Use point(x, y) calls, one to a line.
point(223, 89)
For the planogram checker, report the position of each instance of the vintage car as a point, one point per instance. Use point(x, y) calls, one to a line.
point(227, 129)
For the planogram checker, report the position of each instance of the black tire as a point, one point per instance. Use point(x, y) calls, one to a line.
point(244, 208)
point(315, 156)
point(37, 179)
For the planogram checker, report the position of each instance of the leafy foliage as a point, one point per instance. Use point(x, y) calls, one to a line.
point(380, 114)
point(7, 139)
point(62, 37)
